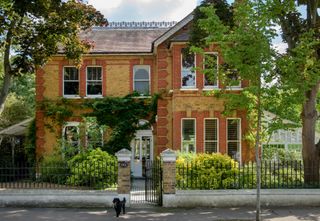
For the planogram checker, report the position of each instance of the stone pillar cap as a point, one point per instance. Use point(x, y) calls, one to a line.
point(168, 155)
point(124, 155)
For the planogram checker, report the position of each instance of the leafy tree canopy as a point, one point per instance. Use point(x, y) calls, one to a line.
point(33, 30)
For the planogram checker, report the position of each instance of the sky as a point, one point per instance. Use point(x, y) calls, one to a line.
point(154, 10)
point(144, 10)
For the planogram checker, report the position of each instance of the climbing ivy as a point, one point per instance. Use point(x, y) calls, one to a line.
point(119, 116)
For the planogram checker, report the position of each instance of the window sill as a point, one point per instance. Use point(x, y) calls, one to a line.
point(71, 97)
point(234, 88)
point(93, 97)
point(189, 89)
point(210, 88)
point(142, 97)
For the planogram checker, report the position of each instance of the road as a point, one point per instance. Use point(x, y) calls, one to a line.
point(157, 213)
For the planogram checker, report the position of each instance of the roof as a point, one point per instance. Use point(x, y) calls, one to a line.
point(17, 129)
point(173, 30)
point(126, 37)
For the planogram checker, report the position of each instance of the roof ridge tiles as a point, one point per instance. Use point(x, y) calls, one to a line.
point(140, 25)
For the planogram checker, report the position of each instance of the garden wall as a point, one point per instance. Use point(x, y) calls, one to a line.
point(242, 198)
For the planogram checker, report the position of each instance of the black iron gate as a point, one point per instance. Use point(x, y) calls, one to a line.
point(153, 182)
point(148, 189)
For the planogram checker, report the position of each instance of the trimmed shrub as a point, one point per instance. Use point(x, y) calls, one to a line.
point(94, 168)
point(206, 171)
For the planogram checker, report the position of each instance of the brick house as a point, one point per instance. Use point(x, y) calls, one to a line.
point(148, 58)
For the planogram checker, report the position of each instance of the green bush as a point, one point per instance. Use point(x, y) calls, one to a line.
point(94, 168)
point(54, 169)
point(206, 171)
point(273, 175)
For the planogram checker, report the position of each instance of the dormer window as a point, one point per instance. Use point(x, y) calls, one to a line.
point(141, 79)
point(188, 74)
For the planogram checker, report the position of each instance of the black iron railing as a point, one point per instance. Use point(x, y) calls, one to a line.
point(274, 174)
point(97, 175)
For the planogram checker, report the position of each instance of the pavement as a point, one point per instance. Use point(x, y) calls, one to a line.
point(158, 213)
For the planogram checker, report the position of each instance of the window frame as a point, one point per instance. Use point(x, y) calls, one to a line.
point(134, 68)
point(211, 87)
point(195, 72)
point(239, 136)
point(63, 82)
point(204, 133)
point(195, 134)
point(71, 124)
point(92, 95)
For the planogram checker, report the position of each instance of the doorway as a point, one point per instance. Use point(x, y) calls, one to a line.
point(142, 151)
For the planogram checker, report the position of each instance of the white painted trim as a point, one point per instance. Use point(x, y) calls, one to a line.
point(141, 66)
point(189, 89)
point(99, 95)
point(204, 132)
point(240, 136)
point(209, 87)
point(70, 96)
point(195, 133)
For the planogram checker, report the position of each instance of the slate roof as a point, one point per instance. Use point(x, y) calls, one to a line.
point(117, 40)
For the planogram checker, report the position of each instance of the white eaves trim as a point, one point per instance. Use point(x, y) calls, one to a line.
point(172, 30)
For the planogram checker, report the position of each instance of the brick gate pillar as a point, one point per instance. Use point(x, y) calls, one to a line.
point(169, 174)
point(124, 174)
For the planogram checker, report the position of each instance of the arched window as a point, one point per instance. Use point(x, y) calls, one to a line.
point(141, 79)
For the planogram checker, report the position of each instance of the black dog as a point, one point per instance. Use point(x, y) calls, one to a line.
point(118, 205)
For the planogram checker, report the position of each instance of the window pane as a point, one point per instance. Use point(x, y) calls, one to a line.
point(141, 74)
point(233, 77)
point(71, 73)
point(233, 137)
point(211, 70)
point(188, 135)
point(71, 141)
point(71, 88)
point(233, 129)
point(142, 87)
point(211, 129)
point(210, 147)
point(94, 134)
point(187, 73)
point(94, 73)
point(94, 88)
point(233, 148)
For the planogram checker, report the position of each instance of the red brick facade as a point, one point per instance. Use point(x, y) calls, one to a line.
point(165, 74)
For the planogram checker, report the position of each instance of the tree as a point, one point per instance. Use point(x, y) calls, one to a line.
point(245, 46)
point(32, 31)
point(299, 71)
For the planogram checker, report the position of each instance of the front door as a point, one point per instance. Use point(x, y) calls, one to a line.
point(142, 151)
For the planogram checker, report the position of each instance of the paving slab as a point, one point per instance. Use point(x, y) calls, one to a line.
point(158, 213)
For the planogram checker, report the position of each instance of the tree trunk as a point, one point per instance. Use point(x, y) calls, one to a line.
point(7, 75)
point(310, 151)
point(257, 154)
point(5, 90)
